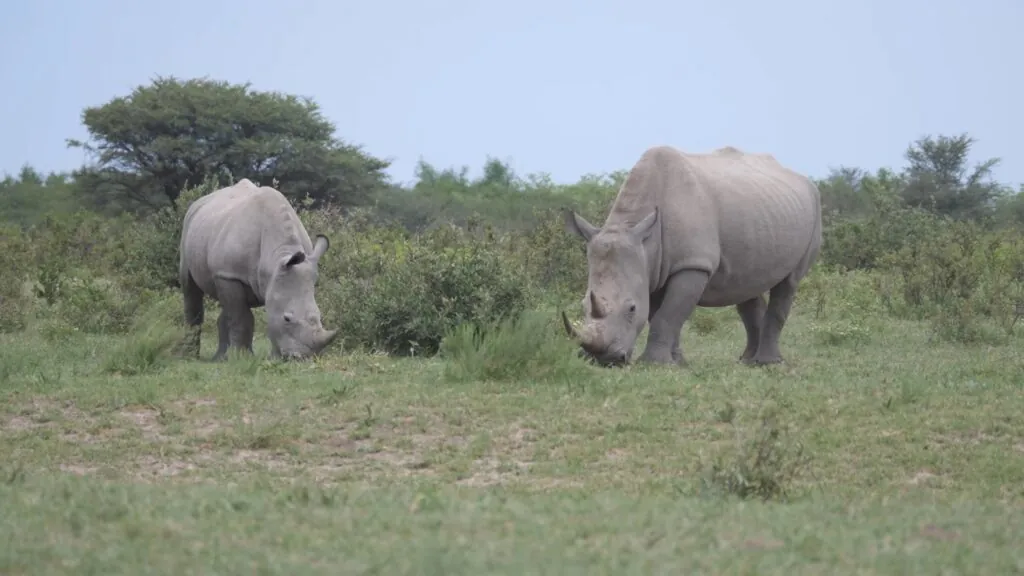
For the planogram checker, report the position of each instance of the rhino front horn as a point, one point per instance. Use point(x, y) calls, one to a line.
point(326, 338)
point(568, 326)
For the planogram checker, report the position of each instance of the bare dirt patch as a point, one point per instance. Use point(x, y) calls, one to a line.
point(923, 477)
point(78, 469)
point(507, 461)
point(19, 424)
point(965, 438)
point(933, 532)
point(151, 468)
point(41, 413)
point(145, 419)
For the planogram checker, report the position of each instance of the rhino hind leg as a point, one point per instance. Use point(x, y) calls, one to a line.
point(752, 314)
point(779, 303)
point(223, 329)
point(192, 297)
point(682, 292)
point(236, 323)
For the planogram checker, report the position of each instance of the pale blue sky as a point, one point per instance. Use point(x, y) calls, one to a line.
point(562, 86)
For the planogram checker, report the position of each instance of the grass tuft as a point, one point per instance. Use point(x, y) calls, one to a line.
point(527, 347)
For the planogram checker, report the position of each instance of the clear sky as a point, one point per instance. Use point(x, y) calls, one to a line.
point(561, 86)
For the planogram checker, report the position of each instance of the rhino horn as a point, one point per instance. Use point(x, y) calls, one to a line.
point(325, 339)
point(569, 329)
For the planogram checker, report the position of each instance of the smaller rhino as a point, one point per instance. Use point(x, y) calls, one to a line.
point(245, 247)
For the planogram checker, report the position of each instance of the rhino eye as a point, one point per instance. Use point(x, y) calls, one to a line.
point(632, 308)
point(287, 317)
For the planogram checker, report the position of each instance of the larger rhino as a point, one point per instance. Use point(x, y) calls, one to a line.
point(245, 247)
point(690, 230)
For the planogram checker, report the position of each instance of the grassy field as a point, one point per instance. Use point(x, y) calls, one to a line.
point(912, 461)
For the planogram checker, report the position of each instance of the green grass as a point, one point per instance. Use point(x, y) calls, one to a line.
point(913, 459)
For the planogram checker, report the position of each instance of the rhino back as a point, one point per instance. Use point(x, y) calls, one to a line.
point(744, 218)
point(768, 219)
point(240, 233)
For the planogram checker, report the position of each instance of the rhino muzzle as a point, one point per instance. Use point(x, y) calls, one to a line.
point(606, 358)
point(322, 340)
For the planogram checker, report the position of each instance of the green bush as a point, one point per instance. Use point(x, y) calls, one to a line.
point(148, 258)
point(18, 261)
point(402, 294)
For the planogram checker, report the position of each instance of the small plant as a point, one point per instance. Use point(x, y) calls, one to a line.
point(726, 414)
point(764, 465)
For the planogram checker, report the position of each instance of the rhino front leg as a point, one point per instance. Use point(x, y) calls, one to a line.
point(776, 313)
point(752, 314)
point(236, 323)
point(682, 292)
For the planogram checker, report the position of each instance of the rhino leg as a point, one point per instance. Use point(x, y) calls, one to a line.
point(236, 323)
point(752, 314)
point(775, 315)
point(223, 329)
point(192, 297)
point(656, 299)
point(682, 292)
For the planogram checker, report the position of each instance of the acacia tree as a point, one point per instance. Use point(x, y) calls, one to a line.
point(939, 178)
point(150, 144)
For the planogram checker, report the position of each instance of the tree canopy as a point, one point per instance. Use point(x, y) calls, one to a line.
point(148, 145)
point(938, 178)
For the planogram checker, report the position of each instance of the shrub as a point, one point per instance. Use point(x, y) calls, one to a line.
point(402, 296)
point(17, 261)
point(149, 255)
point(96, 305)
point(761, 463)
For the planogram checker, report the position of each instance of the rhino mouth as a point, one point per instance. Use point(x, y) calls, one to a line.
point(604, 358)
point(306, 352)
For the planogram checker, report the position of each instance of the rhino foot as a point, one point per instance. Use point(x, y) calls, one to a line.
point(663, 358)
point(762, 360)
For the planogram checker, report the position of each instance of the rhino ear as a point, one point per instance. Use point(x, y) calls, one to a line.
point(319, 247)
point(294, 259)
point(645, 227)
point(575, 224)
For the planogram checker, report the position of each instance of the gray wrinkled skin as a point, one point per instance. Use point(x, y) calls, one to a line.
point(690, 230)
point(245, 247)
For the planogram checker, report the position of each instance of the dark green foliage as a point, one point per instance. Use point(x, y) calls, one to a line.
point(29, 197)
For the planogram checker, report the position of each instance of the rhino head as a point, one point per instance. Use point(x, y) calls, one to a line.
point(617, 300)
point(293, 318)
